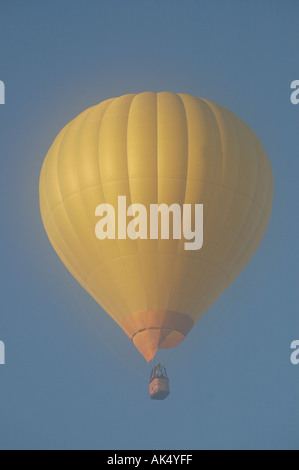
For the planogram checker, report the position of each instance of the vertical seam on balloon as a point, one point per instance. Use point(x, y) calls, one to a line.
point(66, 258)
point(45, 221)
point(50, 210)
point(220, 110)
point(157, 168)
point(103, 304)
point(159, 261)
point(76, 159)
point(121, 257)
point(236, 135)
point(245, 217)
point(149, 304)
point(157, 177)
point(136, 242)
point(157, 185)
point(49, 161)
point(223, 112)
point(53, 242)
point(208, 105)
point(130, 202)
point(101, 181)
point(241, 255)
point(192, 261)
point(81, 279)
point(157, 159)
point(207, 108)
point(232, 244)
point(177, 255)
point(65, 211)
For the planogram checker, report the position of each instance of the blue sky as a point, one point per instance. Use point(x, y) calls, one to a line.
point(72, 379)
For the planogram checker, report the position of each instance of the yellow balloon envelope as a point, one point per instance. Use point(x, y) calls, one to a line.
point(156, 148)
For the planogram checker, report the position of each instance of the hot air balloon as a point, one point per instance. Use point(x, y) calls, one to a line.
point(156, 148)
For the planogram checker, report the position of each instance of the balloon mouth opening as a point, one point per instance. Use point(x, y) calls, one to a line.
point(168, 338)
point(156, 329)
point(150, 340)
